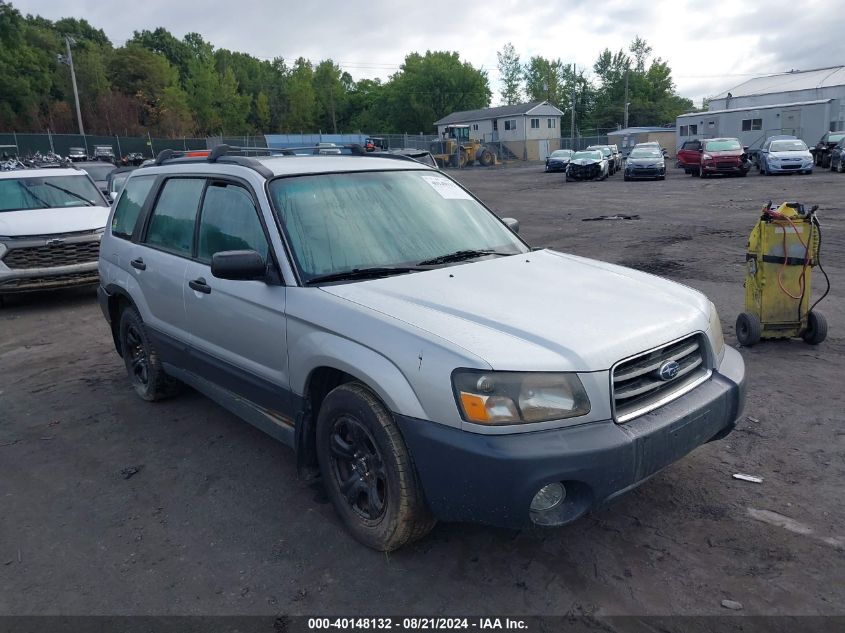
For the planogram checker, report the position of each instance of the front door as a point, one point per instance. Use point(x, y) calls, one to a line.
point(238, 326)
point(791, 122)
point(544, 148)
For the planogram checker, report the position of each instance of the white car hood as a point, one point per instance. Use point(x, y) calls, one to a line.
point(52, 221)
point(539, 311)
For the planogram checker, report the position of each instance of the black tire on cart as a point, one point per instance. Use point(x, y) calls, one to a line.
point(748, 329)
point(367, 470)
point(816, 331)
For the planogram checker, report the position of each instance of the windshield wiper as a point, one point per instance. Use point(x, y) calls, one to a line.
point(87, 202)
point(365, 273)
point(459, 256)
point(43, 203)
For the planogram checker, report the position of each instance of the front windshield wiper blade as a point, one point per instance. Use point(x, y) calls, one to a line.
point(36, 198)
point(459, 256)
point(365, 273)
point(87, 202)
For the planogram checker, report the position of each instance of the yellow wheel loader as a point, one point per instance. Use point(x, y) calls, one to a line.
point(455, 148)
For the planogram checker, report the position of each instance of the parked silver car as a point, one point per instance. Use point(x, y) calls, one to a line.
point(413, 350)
point(51, 221)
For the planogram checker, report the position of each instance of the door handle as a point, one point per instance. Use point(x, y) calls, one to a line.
point(199, 285)
point(138, 263)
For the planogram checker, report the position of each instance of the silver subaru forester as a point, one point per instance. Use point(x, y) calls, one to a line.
point(416, 353)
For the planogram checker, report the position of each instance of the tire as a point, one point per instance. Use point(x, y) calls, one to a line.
point(816, 331)
point(142, 360)
point(385, 507)
point(743, 174)
point(825, 161)
point(661, 177)
point(748, 329)
point(626, 178)
point(486, 158)
point(839, 167)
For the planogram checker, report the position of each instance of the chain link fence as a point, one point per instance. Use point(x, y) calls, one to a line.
point(27, 145)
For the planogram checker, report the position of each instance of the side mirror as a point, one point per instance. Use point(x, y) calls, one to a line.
point(700, 150)
point(512, 223)
point(112, 195)
point(745, 148)
point(238, 265)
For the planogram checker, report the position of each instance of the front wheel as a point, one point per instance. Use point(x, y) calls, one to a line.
point(368, 473)
point(749, 330)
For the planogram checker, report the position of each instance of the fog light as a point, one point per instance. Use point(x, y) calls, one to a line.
point(548, 497)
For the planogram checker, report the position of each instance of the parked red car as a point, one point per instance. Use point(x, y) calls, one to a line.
point(715, 156)
point(689, 156)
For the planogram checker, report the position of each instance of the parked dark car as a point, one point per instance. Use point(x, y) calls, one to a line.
point(558, 160)
point(645, 162)
point(689, 156)
point(821, 152)
point(589, 164)
point(724, 156)
point(99, 172)
point(837, 157)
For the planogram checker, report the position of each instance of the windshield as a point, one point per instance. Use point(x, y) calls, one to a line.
point(606, 151)
point(98, 172)
point(788, 146)
point(835, 138)
point(45, 192)
point(645, 153)
point(591, 154)
point(561, 153)
point(342, 222)
point(722, 146)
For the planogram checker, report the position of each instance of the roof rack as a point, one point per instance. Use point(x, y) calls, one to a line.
point(219, 154)
point(320, 150)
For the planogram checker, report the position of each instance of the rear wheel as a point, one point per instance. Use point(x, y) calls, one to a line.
point(816, 331)
point(142, 360)
point(486, 158)
point(748, 329)
point(368, 473)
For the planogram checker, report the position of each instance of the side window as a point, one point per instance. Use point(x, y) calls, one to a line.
point(172, 223)
point(129, 206)
point(229, 222)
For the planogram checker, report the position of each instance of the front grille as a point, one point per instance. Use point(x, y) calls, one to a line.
point(725, 165)
point(44, 256)
point(638, 387)
point(790, 166)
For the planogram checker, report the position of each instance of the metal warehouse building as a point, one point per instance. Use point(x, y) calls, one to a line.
point(805, 104)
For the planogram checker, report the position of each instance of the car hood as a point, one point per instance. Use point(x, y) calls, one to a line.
point(584, 161)
point(645, 161)
point(543, 310)
point(729, 153)
point(799, 153)
point(52, 221)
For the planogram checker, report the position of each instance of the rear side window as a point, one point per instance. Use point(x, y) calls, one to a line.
point(129, 206)
point(172, 222)
point(229, 222)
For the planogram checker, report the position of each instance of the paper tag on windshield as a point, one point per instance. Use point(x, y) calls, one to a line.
point(446, 188)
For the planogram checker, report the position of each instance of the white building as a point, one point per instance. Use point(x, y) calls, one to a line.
point(805, 104)
point(529, 130)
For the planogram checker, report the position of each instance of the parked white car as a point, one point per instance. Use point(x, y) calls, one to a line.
point(51, 221)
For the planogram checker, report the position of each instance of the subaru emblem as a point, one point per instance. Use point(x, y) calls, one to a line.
point(668, 370)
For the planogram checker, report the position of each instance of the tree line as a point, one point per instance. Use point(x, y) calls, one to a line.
point(173, 87)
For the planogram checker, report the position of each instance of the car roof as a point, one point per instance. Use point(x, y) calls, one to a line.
point(295, 165)
point(39, 172)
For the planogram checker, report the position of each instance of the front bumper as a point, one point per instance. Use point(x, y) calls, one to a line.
point(646, 172)
point(725, 168)
point(583, 173)
point(492, 478)
point(45, 263)
point(556, 166)
point(789, 168)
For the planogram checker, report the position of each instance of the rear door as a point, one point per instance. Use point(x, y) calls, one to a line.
point(238, 326)
point(160, 260)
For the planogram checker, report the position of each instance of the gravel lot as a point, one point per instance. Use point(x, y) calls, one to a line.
point(111, 505)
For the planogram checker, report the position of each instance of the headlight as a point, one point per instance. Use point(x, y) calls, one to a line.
point(706, 157)
point(3, 249)
point(716, 335)
point(503, 397)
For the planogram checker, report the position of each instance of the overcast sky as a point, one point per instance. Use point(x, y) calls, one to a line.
point(710, 46)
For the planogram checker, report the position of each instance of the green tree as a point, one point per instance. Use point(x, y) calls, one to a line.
point(510, 75)
point(261, 113)
point(301, 100)
point(428, 87)
point(329, 95)
point(544, 80)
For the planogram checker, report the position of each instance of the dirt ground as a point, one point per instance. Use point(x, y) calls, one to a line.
point(111, 505)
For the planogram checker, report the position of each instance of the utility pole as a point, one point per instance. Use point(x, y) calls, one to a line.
point(69, 62)
point(572, 120)
point(625, 120)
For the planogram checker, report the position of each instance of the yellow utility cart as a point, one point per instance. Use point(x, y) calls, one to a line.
point(782, 250)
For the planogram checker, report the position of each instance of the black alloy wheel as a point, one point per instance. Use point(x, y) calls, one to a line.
point(358, 468)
